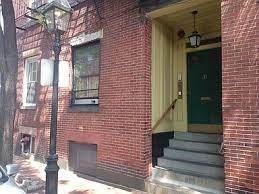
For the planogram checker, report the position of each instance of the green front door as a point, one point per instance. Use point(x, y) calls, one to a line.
point(204, 87)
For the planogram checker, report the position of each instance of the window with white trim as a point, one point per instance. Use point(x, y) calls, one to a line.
point(30, 81)
point(86, 61)
point(27, 144)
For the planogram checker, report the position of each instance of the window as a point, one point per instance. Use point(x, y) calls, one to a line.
point(27, 144)
point(30, 82)
point(86, 64)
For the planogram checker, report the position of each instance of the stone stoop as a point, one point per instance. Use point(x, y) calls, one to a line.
point(165, 181)
point(158, 188)
point(190, 165)
point(138, 192)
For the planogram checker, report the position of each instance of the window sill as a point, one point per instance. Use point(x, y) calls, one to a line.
point(84, 108)
point(28, 107)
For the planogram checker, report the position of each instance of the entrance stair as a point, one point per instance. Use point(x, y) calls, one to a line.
point(191, 164)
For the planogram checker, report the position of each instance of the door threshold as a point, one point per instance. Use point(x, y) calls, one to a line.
point(205, 128)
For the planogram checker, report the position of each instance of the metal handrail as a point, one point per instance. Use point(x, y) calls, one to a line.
point(222, 149)
point(172, 106)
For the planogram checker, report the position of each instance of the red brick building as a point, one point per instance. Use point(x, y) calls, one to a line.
point(122, 65)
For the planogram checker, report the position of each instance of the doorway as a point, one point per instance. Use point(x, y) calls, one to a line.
point(204, 96)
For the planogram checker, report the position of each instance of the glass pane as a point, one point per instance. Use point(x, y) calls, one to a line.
point(93, 82)
point(32, 72)
point(33, 76)
point(86, 71)
point(34, 68)
point(62, 19)
point(49, 16)
point(28, 71)
point(193, 41)
point(31, 93)
point(30, 67)
point(87, 87)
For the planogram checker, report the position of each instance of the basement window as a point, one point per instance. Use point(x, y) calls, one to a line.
point(86, 63)
point(27, 144)
point(83, 158)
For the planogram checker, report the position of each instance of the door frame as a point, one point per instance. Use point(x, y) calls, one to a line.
point(203, 47)
point(202, 128)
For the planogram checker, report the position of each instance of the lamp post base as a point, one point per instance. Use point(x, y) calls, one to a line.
point(51, 170)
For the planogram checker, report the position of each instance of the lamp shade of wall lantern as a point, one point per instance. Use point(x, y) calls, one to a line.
point(57, 15)
point(195, 37)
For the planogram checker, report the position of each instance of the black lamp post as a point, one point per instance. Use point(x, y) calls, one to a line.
point(57, 14)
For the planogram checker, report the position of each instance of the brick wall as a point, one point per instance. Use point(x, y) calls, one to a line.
point(121, 127)
point(240, 95)
point(20, 7)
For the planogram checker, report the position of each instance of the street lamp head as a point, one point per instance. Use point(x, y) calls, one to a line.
point(57, 14)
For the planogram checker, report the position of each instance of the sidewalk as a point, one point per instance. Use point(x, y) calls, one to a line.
point(69, 183)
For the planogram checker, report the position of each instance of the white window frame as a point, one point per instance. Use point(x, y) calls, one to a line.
point(26, 81)
point(31, 144)
point(1, 17)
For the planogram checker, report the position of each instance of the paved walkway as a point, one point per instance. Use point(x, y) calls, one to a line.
point(69, 183)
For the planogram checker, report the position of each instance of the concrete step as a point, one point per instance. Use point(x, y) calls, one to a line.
point(195, 146)
point(199, 137)
point(191, 168)
point(164, 188)
point(175, 187)
point(204, 158)
point(133, 191)
point(160, 175)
